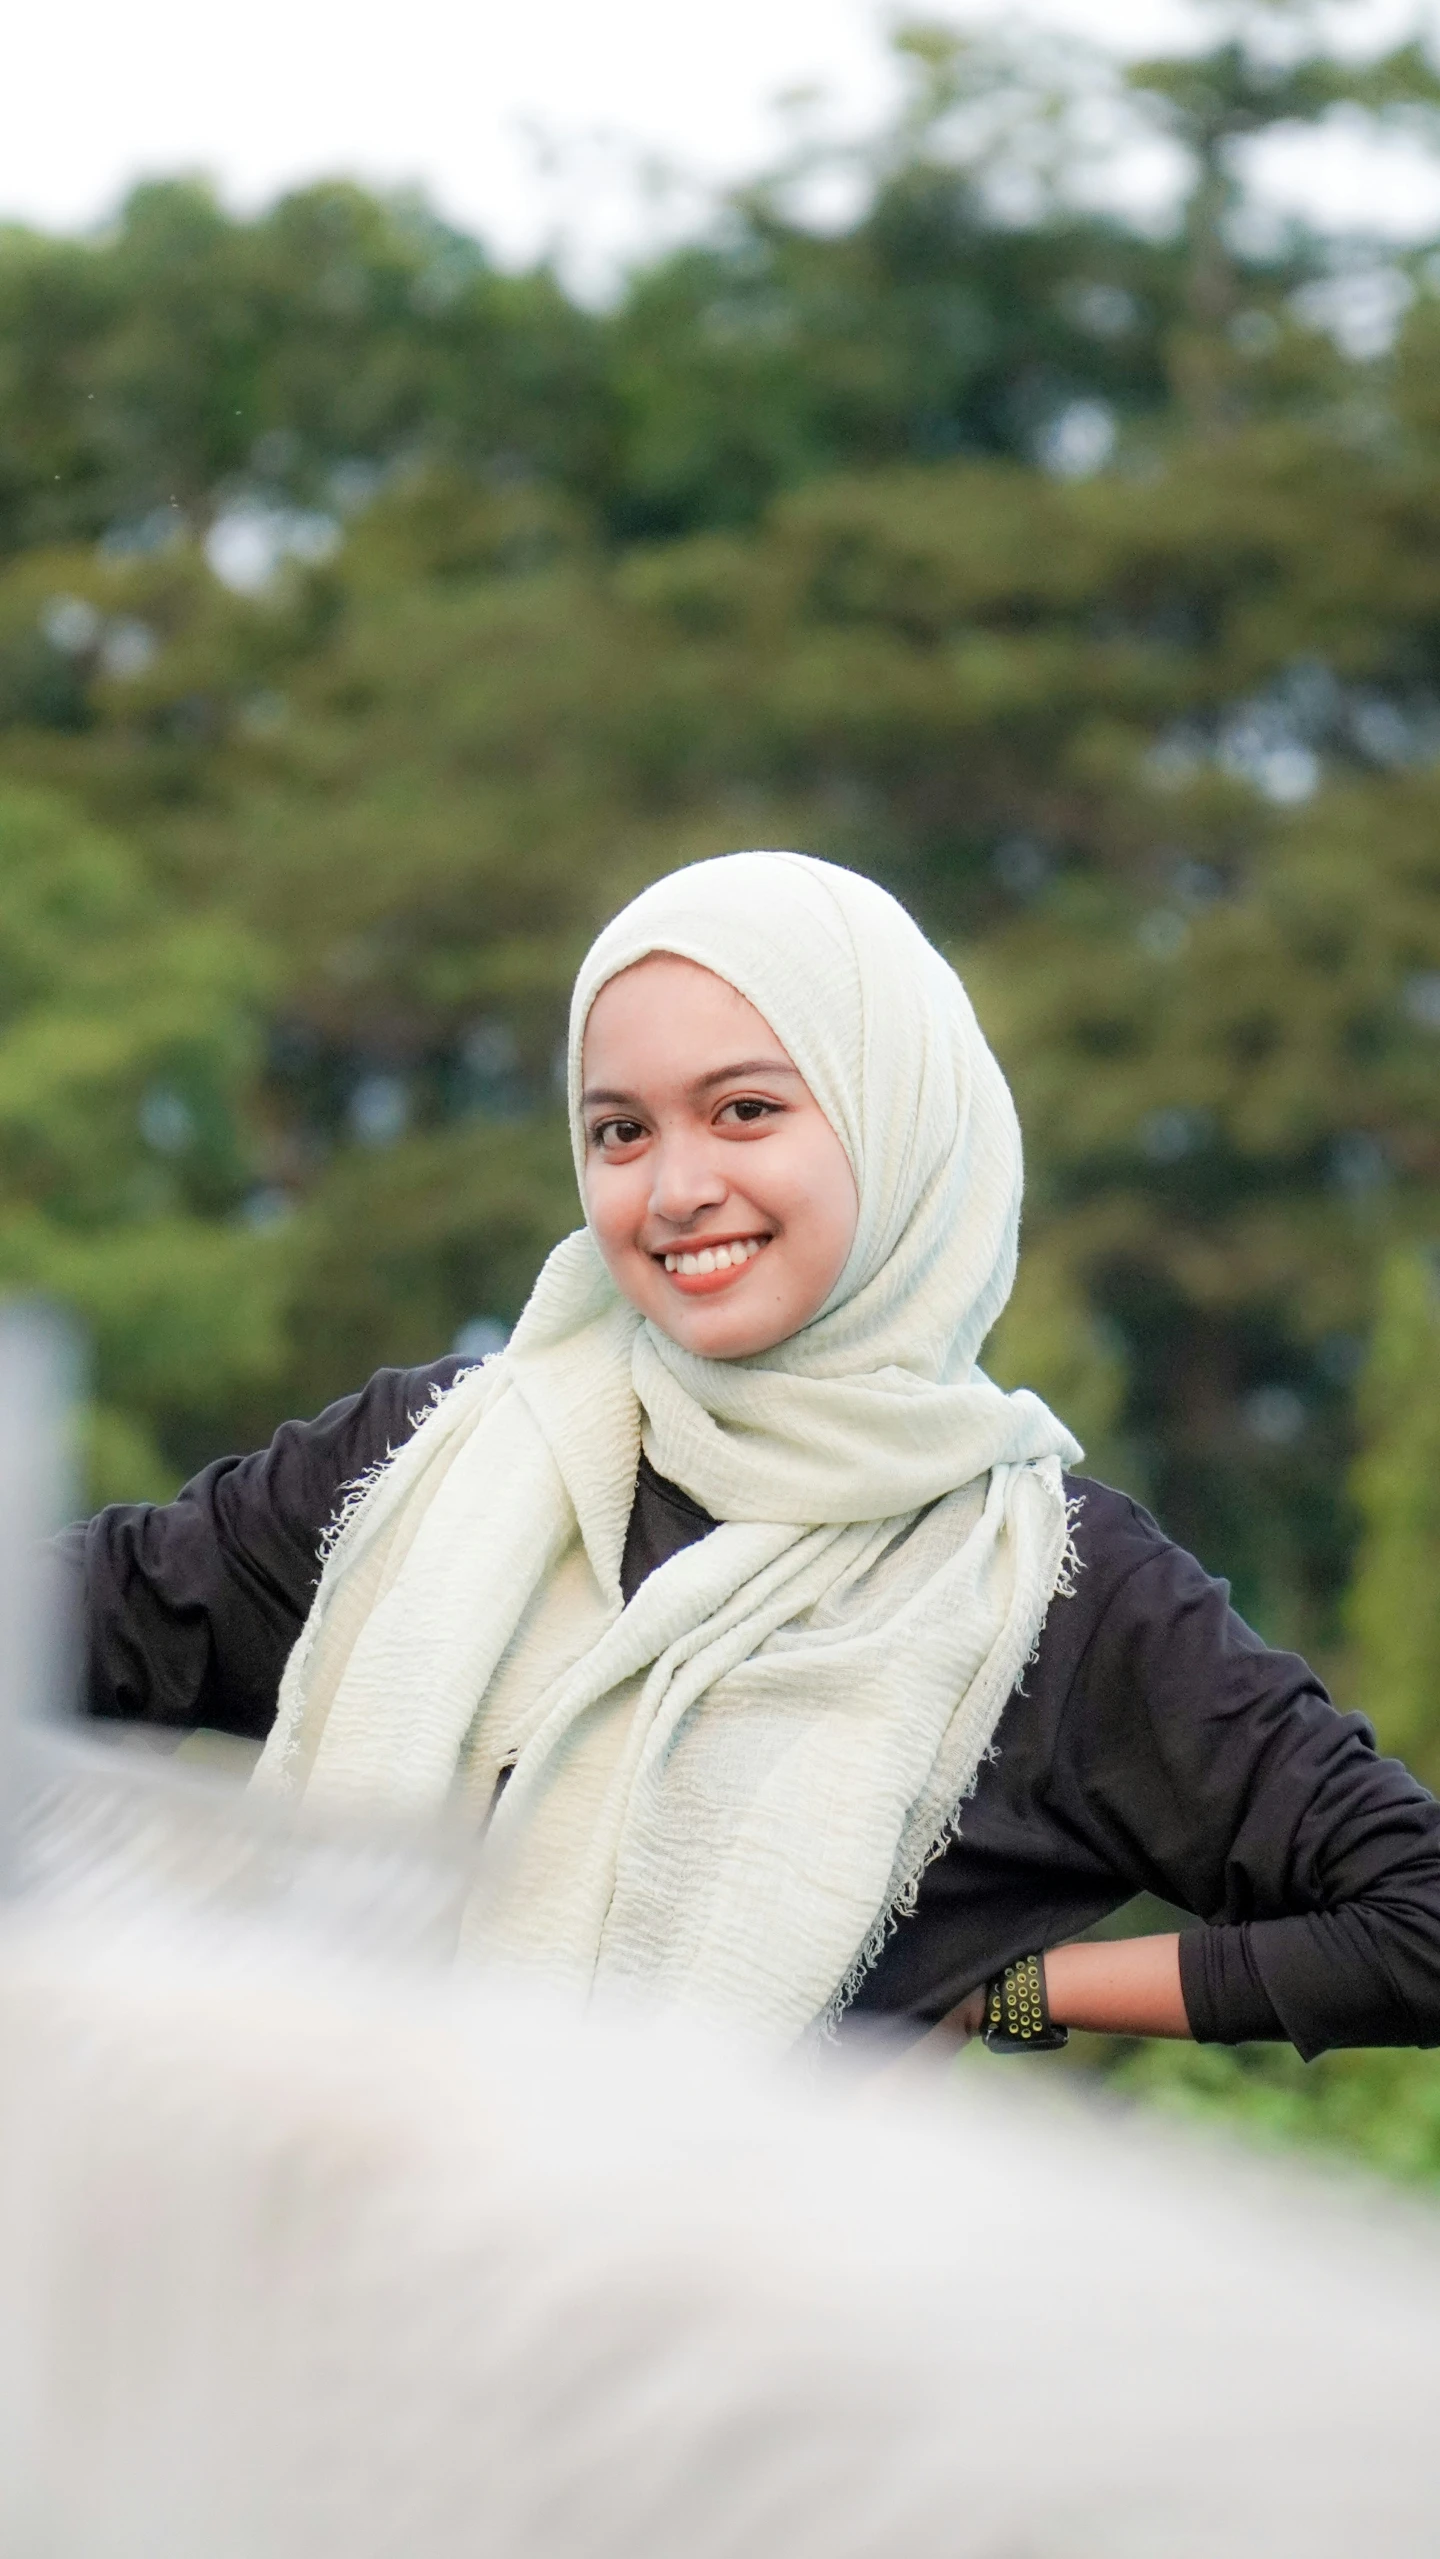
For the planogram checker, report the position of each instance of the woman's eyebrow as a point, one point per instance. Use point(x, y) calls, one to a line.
point(748, 1066)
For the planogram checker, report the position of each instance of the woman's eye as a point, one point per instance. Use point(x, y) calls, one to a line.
point(750, 1108)
point(616, 1132)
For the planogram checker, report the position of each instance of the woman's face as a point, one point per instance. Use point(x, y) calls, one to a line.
point(719, 1194)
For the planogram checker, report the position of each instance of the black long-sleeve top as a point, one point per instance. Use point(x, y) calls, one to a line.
point(1154, 1745)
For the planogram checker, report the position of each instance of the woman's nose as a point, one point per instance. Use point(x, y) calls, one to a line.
point(686, 1178)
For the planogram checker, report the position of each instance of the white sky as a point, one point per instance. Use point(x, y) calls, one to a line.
point(452, 94)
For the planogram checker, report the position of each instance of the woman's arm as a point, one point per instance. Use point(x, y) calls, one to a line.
point(1114, 1986)
point(189, 1608)
point(1118, 1986)
point(1214, 1772)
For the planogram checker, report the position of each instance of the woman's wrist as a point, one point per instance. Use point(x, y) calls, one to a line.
point(1107, 1986)
point(1118, 1986)
point(1017, 2016)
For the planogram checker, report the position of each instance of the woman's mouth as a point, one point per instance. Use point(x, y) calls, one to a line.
point(702, 1269)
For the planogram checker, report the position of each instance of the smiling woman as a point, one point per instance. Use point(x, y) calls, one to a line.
point(717, 1190)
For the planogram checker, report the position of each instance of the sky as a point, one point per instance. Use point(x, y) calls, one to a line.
point(545, 125)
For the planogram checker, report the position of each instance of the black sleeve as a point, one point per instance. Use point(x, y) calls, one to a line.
point(1217, 1774)
point(189, 1608)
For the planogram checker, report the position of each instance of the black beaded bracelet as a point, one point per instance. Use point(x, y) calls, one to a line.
point(1017, 2012)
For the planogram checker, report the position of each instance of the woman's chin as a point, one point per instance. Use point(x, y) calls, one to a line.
point(713, 1329)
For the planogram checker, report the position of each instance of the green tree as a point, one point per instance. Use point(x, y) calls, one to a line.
point(941, 319)
point(1216, 102)
point(1395, 1598)
point(186, 361)
point(153, 375)
point(125, 1047)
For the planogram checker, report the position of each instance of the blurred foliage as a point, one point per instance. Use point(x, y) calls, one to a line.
point(1395, 1594)
point(126, 1044)
point(372, 623)
point(1381, 2107)
point(185, 359)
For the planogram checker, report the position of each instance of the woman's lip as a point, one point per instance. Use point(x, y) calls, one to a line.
point(705, 1283)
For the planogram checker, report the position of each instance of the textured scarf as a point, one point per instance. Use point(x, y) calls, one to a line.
point(724, 1793)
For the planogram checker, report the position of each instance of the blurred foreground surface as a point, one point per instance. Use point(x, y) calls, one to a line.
point(296, 2260)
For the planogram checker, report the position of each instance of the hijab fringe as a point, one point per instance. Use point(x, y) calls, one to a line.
point(906, 1901)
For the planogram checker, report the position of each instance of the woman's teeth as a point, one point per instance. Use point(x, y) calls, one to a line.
point(713, 1257)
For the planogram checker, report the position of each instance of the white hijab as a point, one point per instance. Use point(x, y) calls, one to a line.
point(724, 1793)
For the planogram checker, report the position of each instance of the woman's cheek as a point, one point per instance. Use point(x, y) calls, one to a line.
point(619, 1210)
point(600, 1210)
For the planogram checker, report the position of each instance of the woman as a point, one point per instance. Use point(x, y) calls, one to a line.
point(789, 1672)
